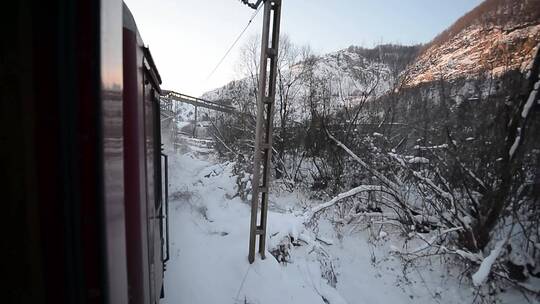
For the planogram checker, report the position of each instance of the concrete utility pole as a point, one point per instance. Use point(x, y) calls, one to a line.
point(263, 136)
point(195, 124)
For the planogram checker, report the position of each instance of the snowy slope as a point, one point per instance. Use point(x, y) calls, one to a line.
point(355, 73)
point(209, 238)
point(349, 75)
point(209, 233)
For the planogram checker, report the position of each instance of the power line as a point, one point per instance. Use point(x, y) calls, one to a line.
point(252, 5)
point(235, 41)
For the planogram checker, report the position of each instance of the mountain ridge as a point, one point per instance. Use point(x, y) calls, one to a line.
point(492, 39)
point(495, 37)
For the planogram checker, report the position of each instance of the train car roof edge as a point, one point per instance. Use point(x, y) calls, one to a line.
point(129, 23)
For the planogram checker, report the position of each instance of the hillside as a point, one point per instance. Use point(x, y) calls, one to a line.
point(495, 37)
point(348, 76)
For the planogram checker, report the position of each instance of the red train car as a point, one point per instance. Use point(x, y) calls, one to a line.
point(142, 167)
point(84, 178)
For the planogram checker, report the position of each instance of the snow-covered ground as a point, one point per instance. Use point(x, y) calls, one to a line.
point(353, 264)
point(209, 238)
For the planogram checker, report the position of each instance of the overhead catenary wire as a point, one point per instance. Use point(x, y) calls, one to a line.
point(252, 5)
point(235, 42)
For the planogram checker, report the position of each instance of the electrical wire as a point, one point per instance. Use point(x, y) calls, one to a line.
point(235, 41)
point(252, 5)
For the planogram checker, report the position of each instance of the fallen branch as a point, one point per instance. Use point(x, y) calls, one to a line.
point(390, 188)
point(308, 215)
point(349, 218)
point(481, 275)
point(376, 173)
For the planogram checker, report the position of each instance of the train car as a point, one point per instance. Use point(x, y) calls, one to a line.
point(84, 178)
point(145, 210)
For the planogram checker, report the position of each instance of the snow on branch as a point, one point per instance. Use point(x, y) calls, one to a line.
point(433, 186)
point(389, 186)
point(481, 275)
point(530, 101)
point(533, 97)
point(515, 145)
point(472, 175)
point(377, 174)
point(308, 215)
point(424, 148)
point(424, 179)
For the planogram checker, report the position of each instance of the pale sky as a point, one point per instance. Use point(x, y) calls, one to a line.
point(187, 38)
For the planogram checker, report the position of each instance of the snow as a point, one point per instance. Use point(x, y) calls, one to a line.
point(209, 230)
point(209, 236)
point(364, 188)
point(514, 146)
point(418, 160)
point(354, 75)
point(426, 244)
point(530, 100)
point(481, 275)
point(418, 147)
point(469, 256)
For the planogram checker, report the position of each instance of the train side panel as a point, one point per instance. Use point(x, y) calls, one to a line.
point(153, 176)
point(134, 174)
point(114, 225)
point(143, 168)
